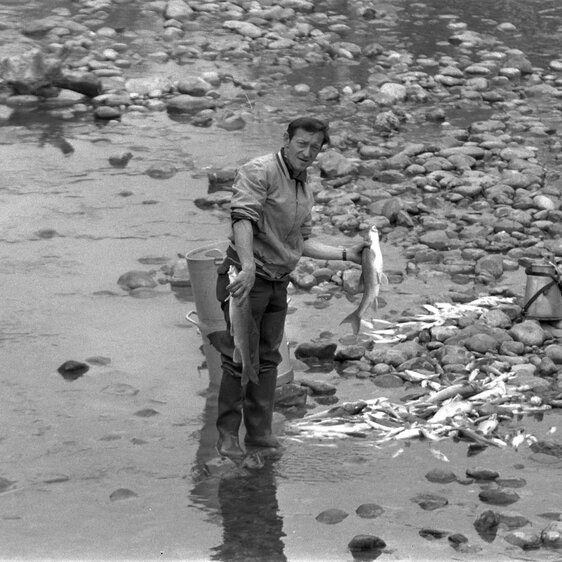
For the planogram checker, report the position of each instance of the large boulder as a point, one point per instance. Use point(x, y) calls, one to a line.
point(28, 72)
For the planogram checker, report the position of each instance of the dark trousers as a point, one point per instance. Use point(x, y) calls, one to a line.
point(268, 301)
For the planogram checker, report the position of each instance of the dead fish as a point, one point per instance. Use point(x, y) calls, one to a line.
point(450, 410)
point(439, 455)
point(372, 277)
point(487, 427)
point(245, 333)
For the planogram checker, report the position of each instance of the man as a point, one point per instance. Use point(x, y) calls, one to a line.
point(271, 226)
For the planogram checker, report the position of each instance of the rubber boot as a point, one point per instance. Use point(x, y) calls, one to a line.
point(229, 417)
point(258, 411)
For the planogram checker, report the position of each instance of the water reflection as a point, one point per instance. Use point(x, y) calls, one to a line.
point(252, 526)
point(244, 502)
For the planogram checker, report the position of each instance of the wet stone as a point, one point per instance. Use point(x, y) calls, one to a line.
point(511, 482)
point(365, 543)
point(512, 519)
point(120, 160)
point(72, 370)
point(161, 171)
point(331, 516)
point(524, 540)
point(319, 388)
point(369, 511)
point(432, 534)
point(146, 413)
point(388, 381)
point(482, 474)
point(441, 476)
point(498, 496)
point(430, 502)
point(136, 279)
point(552, 535)
point(122, 494)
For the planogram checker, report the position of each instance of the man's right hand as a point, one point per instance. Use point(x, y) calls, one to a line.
point(240, 288)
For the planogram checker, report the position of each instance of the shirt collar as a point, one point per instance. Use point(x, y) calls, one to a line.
point(299, 177)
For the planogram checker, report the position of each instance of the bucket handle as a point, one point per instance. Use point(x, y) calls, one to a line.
point(189, 318)
point(541, 291)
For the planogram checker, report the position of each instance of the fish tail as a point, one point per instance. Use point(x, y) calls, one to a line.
point(354, 320)
point(249, 374)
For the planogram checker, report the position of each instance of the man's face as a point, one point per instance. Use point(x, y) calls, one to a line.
point(303, 148)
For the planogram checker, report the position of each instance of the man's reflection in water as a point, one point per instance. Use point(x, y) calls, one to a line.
point(247, 503)
point(252, 526)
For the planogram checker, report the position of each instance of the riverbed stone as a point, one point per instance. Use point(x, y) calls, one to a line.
point(366, 543)
point(332, 516)
point(528, 332)
point(524, 539)
point(441, 476)
point(184, 103)
point(498, 496)
point(135, 279)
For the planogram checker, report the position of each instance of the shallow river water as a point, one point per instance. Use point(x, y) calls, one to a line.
point(142, 418)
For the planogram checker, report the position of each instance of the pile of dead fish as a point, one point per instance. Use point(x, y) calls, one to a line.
point(474, 403)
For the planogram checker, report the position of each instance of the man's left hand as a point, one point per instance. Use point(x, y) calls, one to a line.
point(354, 253)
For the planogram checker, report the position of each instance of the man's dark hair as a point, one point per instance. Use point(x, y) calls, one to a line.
point(311, 125)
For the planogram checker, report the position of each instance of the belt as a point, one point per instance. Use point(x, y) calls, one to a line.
point(270, 275)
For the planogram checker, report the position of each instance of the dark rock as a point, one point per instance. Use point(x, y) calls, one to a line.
point(369, 511)
point(72, 370)
point(290, 395)
point(331, 516)
point(498, 496)
point(323, 351)
point(482, 473)
point(551, 535)
point(120, 160)
point(388, 380)
point(146, 413)
point(432, 534)
point(486, 524)
point(441, 476)
point(122, 494)
point(366, 543)
point(85, 83)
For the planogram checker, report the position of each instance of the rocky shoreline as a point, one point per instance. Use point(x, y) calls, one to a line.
point(466, 204)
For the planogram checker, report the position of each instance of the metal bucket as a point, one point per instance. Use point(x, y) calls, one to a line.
point(202, 264)
point(543, 299)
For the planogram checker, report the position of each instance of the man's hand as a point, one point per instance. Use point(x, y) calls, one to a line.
point(354, 253)
point(240, 288)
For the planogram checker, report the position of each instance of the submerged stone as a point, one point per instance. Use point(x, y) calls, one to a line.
point(122, 494)
point(498, 496)
point(441, 476)
point(331, 516)
point(369, 511)
point(430, 502)
point(72, 370)
point(365, 543)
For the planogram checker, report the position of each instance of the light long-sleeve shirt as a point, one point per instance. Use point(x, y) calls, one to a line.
point(279, 208)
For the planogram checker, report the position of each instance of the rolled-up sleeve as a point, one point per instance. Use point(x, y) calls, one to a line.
point(306, 228)
point(249, 193)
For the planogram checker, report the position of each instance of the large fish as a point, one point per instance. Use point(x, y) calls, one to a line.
point(372, 277)
point(245, 334)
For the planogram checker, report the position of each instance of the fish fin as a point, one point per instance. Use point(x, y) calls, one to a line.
point(354, 320)
point(382, 278)
point(221, 340)
point(236, 356)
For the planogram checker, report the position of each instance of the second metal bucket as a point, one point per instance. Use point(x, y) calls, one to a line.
point(543, 299)
point(202, 264)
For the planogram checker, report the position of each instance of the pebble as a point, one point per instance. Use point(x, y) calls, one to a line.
point(331, 516)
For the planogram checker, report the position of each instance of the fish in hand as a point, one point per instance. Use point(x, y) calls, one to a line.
point(245, 334)
point(372, 277)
